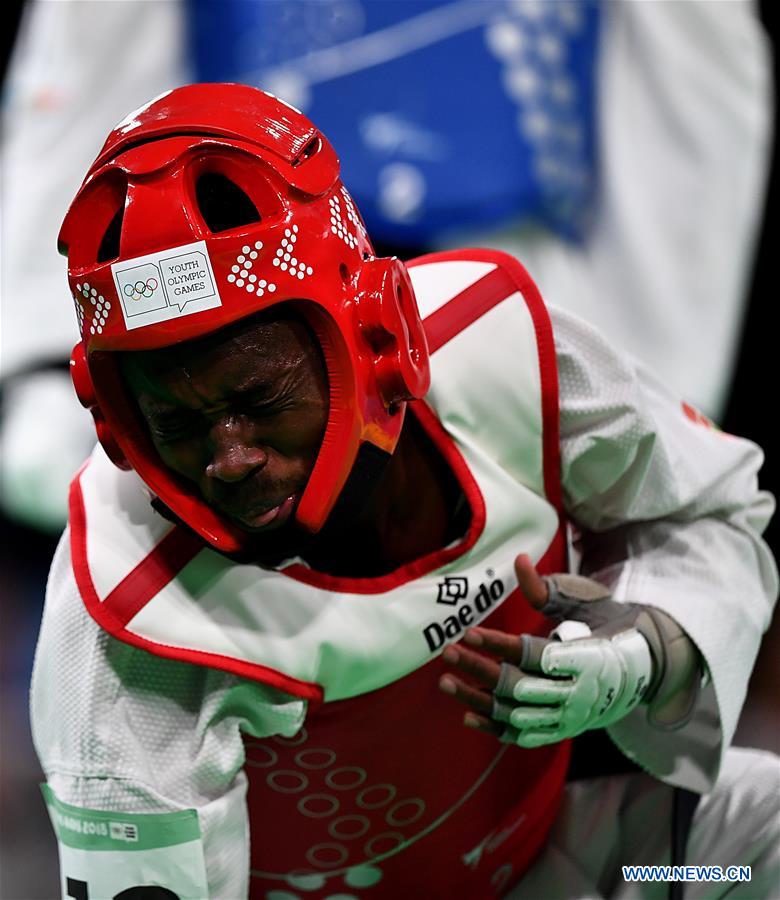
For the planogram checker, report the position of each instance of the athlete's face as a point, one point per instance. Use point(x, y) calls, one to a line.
point(240, 413)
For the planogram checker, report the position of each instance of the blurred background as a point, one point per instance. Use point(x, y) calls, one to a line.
point(623, 150)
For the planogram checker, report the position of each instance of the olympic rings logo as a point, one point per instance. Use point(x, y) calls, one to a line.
point(140, 290)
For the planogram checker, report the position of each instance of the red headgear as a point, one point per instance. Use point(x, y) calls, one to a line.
point(150, 264)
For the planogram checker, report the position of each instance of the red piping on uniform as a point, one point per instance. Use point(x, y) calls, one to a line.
point(466, 307)
point(114, 625)
point(150, 576)
point(442, 325)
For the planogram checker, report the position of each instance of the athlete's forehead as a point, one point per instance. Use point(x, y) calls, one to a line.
point(250, 355)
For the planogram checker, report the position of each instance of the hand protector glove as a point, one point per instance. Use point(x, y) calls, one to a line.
point(601, 661)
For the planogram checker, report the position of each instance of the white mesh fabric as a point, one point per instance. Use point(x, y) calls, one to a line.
point(119, 729)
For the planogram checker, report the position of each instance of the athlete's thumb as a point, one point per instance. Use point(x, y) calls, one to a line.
point(530, 582)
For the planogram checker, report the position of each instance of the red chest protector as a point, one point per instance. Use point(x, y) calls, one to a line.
point(388, 793)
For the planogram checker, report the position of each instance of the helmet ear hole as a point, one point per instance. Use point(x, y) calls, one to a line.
point(222, 203)
point(390, 323)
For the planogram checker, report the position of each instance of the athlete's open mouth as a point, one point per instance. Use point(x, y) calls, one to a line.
point(275, 516)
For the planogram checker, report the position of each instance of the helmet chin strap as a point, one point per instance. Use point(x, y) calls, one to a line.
point(370, 465)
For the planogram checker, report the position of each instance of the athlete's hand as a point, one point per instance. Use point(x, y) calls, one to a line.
point(595, 667)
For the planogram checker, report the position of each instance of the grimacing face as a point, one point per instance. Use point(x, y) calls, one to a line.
point(241, 413)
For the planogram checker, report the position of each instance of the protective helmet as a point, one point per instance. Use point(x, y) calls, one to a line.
point(153, 261)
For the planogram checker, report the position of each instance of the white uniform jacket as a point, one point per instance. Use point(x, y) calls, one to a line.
point(666, 511)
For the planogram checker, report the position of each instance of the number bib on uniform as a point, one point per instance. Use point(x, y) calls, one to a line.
point(125, 856)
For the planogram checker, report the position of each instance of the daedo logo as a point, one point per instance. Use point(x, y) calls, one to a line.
point(454, 589)
point(166, 285)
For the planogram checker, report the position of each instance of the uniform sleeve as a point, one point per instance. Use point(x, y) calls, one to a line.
point(132, 744)
point(669, 514)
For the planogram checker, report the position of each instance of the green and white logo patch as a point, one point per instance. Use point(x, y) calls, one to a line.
point(125, 856)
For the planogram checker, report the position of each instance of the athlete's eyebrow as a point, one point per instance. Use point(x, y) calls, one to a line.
point(158, 402)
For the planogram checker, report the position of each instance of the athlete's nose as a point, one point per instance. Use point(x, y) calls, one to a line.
point(233, 459)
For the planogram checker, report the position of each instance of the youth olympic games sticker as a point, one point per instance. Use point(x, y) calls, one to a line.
point(166, 285)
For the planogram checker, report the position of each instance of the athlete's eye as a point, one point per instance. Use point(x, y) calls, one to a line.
point(170, 427)
point(262, 406)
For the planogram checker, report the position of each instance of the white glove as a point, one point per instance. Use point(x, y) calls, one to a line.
point(592, 683)
point(596, 666)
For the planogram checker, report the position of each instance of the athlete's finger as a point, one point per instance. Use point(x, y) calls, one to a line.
point(486, 670)
point(532, 739)
point(508, 646)
point(529, 689)
point(529, 718)
point(476, 699)
point(481, 723)
point(530, 582)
